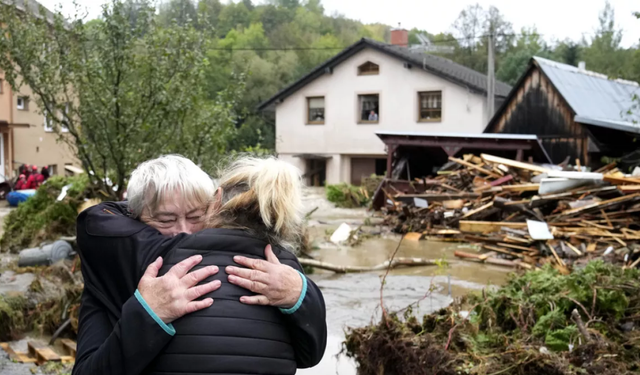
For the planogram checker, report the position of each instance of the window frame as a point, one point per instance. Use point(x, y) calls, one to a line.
point(65, 113)
point(25, 103)
point(48, 129)
point(359, 108)
point(369, 73)
point(419, 107)
point(308, 121)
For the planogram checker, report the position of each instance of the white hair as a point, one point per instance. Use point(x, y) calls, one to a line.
point(154, 179)
point(264, 196)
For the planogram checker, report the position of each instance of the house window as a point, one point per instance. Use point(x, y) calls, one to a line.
point(65, 116)
point(430, 106)
point(368, 68)
point(315, 110)
point(369, 108)
point(48, 124)
point(22, 103)
point(53, 169)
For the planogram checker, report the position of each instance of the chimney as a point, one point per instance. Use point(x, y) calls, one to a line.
point(399, 37)
point(582, 66)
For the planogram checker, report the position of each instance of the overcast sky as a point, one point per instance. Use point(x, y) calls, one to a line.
point(555, 19)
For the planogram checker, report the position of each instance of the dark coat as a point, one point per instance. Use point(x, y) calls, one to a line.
point(116, 337)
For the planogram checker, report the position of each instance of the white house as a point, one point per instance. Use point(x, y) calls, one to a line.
point(326, 121)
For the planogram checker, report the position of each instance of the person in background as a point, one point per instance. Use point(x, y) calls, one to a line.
point(43, 176)
point(373, 116)
point(21, 183)
point(33, 178)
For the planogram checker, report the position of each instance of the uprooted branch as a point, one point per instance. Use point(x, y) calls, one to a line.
point(397, 262)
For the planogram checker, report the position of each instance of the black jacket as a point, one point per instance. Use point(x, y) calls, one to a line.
point(116, 335)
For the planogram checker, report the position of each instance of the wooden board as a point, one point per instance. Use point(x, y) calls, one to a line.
point(473, 166)
point(629, 188)
point(621, 180)
point(481, 208)
point(487, 226)
point(522, 187)
point(42, 353)
point(17, 356)
point(413, 236)
point(602, 204)
point(513, 163)
point(70, 346)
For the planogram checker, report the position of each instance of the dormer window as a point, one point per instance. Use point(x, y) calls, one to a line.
point(368, 69)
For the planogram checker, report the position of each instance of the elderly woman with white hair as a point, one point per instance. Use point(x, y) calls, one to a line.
point(267, 318)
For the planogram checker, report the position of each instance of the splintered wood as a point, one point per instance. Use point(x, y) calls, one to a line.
point(40, 353)
point(488, 199)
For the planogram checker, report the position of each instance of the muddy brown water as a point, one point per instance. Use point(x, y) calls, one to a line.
point(353, 300)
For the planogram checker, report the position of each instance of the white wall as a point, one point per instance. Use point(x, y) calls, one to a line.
point(398, 88)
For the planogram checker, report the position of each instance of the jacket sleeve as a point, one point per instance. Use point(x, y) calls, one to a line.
point(307, 321)
point(127, 347)
point(117, 334)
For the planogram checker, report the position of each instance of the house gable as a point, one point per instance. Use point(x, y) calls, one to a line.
point(536, 107)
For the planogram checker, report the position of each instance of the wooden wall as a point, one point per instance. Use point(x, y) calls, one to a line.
point(537, 108)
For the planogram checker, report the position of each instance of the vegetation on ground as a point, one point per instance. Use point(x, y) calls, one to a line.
point(541, 322)
point(351, 196)
point(42, 217)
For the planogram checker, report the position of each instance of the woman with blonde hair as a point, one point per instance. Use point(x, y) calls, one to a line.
point(272, 331)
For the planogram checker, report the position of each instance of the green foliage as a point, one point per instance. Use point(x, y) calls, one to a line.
point(348, 196)
point(127, 88)
point(12, 318)
point(507, 327)
point(43, 218)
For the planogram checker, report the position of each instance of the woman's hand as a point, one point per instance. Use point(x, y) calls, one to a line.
point(172, 295)
point(276, 284)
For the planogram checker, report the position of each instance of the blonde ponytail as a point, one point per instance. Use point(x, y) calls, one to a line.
point(264, 196)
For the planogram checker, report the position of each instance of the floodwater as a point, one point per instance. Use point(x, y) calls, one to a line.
point(353, 300)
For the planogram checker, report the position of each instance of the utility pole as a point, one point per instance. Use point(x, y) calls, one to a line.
point(491, 78)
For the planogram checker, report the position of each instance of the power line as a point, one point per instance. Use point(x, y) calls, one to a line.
point(341, 48)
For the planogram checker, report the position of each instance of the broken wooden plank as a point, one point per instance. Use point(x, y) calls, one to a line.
point(70, 346)
point(517, 247)
point(501, 181)
point(602, 204)
point(487, 226)
point(629, 188)
point(555, 255)
point(413, 236)
point(521, 187)
point(473, 166)
point(481, 208)
point(454, 204)
point(434, 197)
point(42, 353)
point(503, 251)
point(573, 248)
point(513, 163)
point(606, 168)
point(621, 180)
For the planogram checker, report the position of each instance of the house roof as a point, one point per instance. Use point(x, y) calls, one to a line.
point(594, 98)
point(436, 65)
point(457, 142)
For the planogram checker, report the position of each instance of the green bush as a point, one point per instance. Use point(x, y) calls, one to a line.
point(42, 217)
point(347, 196)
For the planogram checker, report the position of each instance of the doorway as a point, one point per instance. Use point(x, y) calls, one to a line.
point(316, 172)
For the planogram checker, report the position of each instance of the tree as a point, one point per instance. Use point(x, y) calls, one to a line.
point(516, 59)
point(231, 17)
point(568, 52)
point(208, 13)
point(117, 94)
point(181, 11)
point(604, 54)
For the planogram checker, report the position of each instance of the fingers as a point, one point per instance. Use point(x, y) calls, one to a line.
point(193, 278)
point(198, 305)
point(201, 290)
point(255, 300)
point(245, 273)
point(254, 286)
point(270, 255)
point(181, 269)
point(256, 264)
point(153, 269)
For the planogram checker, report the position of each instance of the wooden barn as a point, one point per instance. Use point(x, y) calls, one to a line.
point(574, 112)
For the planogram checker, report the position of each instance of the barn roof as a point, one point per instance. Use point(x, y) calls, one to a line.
point(594, 98)
point(439, 66)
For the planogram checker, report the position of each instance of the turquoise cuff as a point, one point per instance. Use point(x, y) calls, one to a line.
point(302, 295)
point(168, 328)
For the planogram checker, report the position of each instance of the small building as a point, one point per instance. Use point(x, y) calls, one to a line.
point(326, 122)
point(25, 135)
point(576, 113)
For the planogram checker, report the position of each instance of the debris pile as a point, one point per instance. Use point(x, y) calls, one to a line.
point(541, 322)
point(523, 214)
